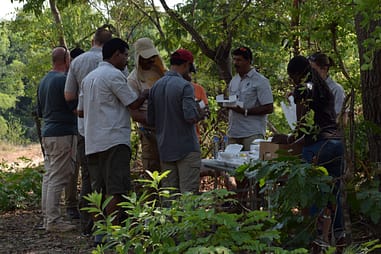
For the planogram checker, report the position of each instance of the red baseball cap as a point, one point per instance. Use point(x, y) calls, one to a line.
point(183, 54)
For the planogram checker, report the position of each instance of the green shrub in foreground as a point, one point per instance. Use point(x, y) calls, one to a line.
point(192, 224)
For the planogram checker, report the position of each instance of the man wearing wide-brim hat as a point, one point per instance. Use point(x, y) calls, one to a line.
point(149, 67)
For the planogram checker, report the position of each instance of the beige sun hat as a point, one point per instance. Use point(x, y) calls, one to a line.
point(144, 47)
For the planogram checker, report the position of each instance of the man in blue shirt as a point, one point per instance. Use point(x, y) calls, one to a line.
point(173, 111)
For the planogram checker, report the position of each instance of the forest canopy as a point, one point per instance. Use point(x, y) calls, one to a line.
point(348, 31)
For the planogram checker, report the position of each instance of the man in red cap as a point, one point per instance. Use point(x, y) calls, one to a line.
point(173, 111)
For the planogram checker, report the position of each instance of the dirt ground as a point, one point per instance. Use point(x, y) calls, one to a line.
point(18, 233)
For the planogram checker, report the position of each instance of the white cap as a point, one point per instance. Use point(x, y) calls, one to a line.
point(144, 47)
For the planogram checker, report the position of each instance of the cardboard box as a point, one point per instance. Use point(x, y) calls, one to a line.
point(268, 150)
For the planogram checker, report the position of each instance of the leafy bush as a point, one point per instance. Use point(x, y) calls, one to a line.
point(365, 199)
point(19, 188)
point(364, 248)
point(192, 224)
point(291, 187)
point(15, 132)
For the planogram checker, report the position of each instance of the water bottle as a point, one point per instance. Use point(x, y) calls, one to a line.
point(216, 146)
point(254, 150)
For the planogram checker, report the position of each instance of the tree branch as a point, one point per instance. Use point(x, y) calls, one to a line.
point(195, 35)
point(333, 28)
point(58, 22)
point(155, 20)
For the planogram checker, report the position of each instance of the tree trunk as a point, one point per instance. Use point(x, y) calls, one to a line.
point(295, 20)
point(57, 18)
point(371, 87)
point(223, 60)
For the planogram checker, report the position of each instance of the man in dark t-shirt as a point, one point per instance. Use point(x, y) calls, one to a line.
point(58, 138)
point(322, 143)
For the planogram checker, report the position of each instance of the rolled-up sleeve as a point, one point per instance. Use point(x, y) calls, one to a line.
point(151, 109)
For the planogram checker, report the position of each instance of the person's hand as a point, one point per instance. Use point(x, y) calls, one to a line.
point(280, 139)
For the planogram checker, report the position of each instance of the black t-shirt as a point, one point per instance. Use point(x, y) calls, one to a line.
point(59, 119)
point(320, 99)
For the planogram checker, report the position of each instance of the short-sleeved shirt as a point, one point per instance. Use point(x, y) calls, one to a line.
point(59, 120)
point(104, 97)
point(199, 94)
point(338, 92)
point(171, 103)
point(253, 90)
point(79, 68)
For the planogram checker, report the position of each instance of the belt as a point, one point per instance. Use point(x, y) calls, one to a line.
point(142, 127)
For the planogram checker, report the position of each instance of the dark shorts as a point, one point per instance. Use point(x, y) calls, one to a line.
point(110, 170)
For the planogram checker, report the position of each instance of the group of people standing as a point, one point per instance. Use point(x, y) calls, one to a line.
point(96, 88)
point(166, 106)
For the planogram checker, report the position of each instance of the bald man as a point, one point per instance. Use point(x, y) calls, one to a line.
point(59, 139)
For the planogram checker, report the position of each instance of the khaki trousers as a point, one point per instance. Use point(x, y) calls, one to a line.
point(185, 173)
point(150, 152)
point(246, 142)
point(60, 155)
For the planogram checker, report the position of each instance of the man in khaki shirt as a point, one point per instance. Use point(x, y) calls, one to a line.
point(149, 67)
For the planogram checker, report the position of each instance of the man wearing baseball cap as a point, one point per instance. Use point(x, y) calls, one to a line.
point(149, 67)
point(173, 111)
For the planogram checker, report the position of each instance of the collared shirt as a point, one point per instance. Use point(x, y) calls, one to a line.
point(171, 103)
point(253, 90)
point(79, 68)
point(338, 92)
point(104, 97)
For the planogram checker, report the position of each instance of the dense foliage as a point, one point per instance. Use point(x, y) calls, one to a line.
point(208, 29)
point(273, 29)
point(191, 224)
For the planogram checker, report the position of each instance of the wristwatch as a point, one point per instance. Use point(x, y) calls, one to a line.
point(245, 112)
